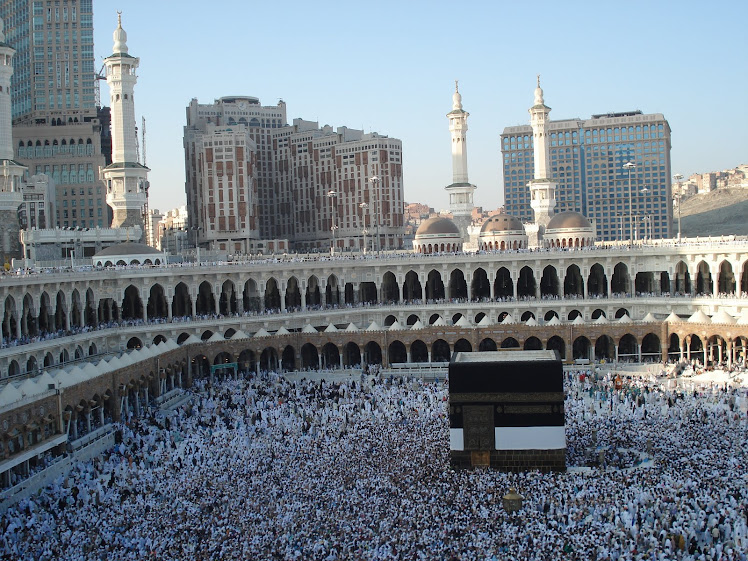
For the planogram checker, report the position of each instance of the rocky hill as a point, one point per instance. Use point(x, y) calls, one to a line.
point(718, 213)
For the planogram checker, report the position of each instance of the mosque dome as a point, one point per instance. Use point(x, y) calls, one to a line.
point(569, 229)
point(128, 253)
point(568, 219)
point(128, 248)
point(437, 235)
point(502, 232)
point(437, 225)
point(501, 223)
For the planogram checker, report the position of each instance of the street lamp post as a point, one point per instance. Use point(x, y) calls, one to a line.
point(333, 219)
point(679, 177)
point(363, 207)
point(628, 166)
point(621, 214)
point(374, 180)
point(644, 190)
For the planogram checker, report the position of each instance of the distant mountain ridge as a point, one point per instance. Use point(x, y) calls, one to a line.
point(718, 213)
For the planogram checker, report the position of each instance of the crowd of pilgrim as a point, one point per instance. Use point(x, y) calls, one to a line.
point(269, 468)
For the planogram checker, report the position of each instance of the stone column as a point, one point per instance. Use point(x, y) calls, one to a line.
point(282, 289)
point(74, 424)
point(217, 291)
point(262, 300)
point(585, 283)
point(715, 283)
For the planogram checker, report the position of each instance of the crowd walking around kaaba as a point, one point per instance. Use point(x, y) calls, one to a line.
point(264, 467)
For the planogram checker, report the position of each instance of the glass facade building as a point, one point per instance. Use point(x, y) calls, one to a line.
point(56, 128)
point(587, 160)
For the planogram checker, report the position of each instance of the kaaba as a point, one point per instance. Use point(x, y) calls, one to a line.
point(506, 411)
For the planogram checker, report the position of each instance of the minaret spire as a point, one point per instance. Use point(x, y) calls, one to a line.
point(542, 188)
point(125, 177)
point(460, 191)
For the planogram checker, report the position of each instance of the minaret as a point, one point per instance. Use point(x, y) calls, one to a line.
point(460, 191)
point(125, 178)
point(11, 195)
point(542, 188)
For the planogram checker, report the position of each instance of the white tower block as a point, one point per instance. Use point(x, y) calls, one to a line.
point(125, 178)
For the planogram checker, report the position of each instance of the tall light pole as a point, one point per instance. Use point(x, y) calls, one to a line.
point(374, 180)
point(628, 166)
point(644, 190)
point(679, 177)
point(333, 218)
point(363, 207)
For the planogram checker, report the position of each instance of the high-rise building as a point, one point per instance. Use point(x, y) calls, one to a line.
point(587, 161)
point(11, 196)
point(251, 178)
point(56, 130)
point(229, 173)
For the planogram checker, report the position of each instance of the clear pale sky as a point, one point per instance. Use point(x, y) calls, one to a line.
point(390, 67)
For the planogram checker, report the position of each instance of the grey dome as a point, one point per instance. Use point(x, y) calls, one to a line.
point(501, 223)
point(568, 219)
point(437, 225)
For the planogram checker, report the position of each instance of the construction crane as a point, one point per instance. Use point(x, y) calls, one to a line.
point(100, 75)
